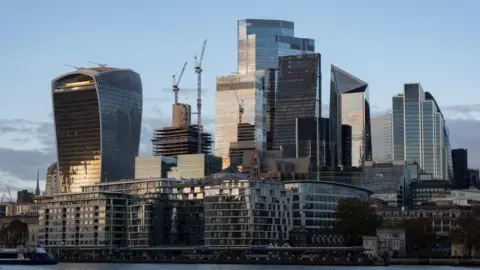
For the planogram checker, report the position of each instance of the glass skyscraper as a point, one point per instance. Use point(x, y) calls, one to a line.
point(382, 138)
point(98, 116)
point(239, 99)
point(261, 42)
point(349, 106)
point(297, 96)
point(419, 132)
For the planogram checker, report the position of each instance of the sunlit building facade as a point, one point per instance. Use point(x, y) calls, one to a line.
point(233, 93)
point(261, 42)
point(349, 106)
point(420, 134)
point(98, 115)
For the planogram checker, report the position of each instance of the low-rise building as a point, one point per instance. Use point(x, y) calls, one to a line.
point(241, 212)
point(315, 202)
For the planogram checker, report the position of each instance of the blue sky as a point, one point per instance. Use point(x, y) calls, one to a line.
point(384, 43)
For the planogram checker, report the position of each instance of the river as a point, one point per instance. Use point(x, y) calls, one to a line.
point(92, 266)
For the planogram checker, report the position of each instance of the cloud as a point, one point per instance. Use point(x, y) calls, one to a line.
point(26, 146)
point(464, 134)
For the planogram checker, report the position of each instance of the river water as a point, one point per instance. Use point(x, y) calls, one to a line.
point(91, 266)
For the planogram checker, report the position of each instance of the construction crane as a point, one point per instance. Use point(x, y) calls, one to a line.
point(240, 107)
point(198, 70)
point(176, 82)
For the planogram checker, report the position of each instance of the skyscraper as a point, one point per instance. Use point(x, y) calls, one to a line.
point(239, 100)
point(261, 42)
point(297, 96)
point(382, 138)
point(419, 132)
point(98, 115)
point(349, 106)
point(460, 169)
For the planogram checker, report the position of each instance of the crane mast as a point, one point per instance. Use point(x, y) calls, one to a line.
point(198, 70)
point(176, 82)
point(240, 107)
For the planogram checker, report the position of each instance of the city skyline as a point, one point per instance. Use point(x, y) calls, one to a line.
point(42, 125)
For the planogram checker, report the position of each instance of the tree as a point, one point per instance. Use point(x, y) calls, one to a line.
point(15, 233)
point(467, 232)
point(354, 219)
point(419, 234)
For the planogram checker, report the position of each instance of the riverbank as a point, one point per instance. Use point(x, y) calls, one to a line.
point(435, 261)
point(244, 262)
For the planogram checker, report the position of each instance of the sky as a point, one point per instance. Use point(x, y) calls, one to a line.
point(385, 43)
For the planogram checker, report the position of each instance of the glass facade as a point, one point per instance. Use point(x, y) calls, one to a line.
point(98, 115)
point(233, 92)
point(413, 98)
point(315, 202)
point(261, 42)
point(420, 134)
point(349, 106)
point(297, 95)
point(382, 146)
point(398, 128)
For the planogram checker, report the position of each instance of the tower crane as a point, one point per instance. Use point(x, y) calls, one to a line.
point(176, 82)
point(240, 107)
point(198, 70)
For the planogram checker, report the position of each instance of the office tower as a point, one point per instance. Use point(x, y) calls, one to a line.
point(306, 140)
point(349, 106)
point(460, 169)
point(261, 42)
point(419, 132)
point(382, 138)
point(239, 100)
point(98, 117)
point(398, 138)
point(270, 88)
point(473, 177)
point(346, 146)
point(298, 95)
point(181, 138)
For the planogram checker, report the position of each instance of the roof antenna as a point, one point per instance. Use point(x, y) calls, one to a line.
point(98, 64)
point(75, 67)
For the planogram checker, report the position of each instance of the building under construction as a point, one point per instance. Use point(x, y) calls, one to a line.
point(182, 137)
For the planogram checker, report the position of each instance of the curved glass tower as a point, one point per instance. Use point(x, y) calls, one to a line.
point(98, 116)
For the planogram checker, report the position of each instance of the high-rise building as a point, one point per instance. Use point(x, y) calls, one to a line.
point(298, 95)
point(270, 89)
point(306, 140)
point(181, 138)
point(473, 177)
point(382, 138)
point(261, 42)
point(239, 99)
point(98, 117)
point(349, 106)
point(460, 169)
point(419, 132)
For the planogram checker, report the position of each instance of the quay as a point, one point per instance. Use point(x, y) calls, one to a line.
point(267, 255)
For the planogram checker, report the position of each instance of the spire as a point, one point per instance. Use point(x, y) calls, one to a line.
point(37, 190)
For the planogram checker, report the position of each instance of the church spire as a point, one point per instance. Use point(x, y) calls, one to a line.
point(37, 190)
